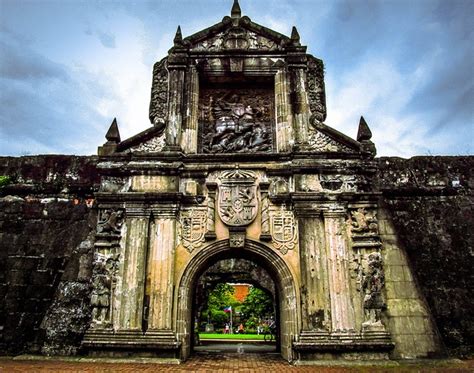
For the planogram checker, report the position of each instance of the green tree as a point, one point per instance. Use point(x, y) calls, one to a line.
point(257, 304)
point(220, 297)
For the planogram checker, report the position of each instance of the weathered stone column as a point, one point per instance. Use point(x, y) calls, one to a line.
point(130, 315)
point(300, 106)
point(177, 68)
point(189, 141)
point(284, 129)
point(161, 267)
point(265, 234)
point(316, 300)
point(342, 310)
point(211, 211)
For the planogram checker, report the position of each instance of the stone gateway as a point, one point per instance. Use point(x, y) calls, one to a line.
point(239, 164)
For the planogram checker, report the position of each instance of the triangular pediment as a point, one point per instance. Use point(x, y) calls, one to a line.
point(239, 33)
point(325, 139)
point(151, 140)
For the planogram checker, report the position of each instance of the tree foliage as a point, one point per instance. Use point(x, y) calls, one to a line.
point(220, 297)
point(258, 304)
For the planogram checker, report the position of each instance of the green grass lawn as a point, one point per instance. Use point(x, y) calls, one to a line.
point(230, 336)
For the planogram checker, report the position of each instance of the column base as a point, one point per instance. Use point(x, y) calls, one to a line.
point(123, 343)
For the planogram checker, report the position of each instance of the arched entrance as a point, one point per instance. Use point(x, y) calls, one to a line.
point(284, 279)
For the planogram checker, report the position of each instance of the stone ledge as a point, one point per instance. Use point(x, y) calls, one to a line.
point(316, 341)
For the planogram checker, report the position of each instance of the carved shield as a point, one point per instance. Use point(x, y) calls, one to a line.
point(193, 228)
point(238, 201)
point(284, 231)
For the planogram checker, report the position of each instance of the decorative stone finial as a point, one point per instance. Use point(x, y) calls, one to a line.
point(113, 134)
point(236, 12)
point(295, 36)
point(364, 133)
point(178, 38)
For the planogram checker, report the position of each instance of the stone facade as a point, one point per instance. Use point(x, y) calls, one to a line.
point(239, 164)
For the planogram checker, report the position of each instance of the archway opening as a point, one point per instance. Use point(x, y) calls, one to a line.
point(285, 284)
point(235, 309)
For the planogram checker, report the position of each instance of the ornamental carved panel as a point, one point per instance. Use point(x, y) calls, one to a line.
point(193, 228)
point(236, 120)
point(237, 201)
point(284, 231)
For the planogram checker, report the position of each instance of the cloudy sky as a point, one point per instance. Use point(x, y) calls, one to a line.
point(68, 67)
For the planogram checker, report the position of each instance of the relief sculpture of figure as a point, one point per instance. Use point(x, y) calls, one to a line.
point(100, 299)
point(372, 285)
point(238, 126)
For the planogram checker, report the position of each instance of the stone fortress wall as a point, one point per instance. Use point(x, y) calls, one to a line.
point(48, 220)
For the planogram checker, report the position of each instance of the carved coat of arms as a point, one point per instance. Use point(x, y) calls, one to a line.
point(238, 202)
point(284, 231)
point(193, 228)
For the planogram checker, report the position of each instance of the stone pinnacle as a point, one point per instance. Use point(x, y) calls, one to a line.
point(364, 133)
point(178, 38)
point(113, 134)
point(236, 12)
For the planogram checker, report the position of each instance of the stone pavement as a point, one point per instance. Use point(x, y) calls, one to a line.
point(221, 363)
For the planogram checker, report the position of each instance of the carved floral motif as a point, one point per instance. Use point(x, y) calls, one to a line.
point(155, 144)
point(316, 95)
point(284, 231)
point(159, 94)
point(235, 38)
point(323, 143)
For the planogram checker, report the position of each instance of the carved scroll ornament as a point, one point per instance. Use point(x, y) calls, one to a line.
point(110, 221)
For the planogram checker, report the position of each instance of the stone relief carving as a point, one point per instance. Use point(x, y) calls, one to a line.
point(236, 120)
point(238, 201)
point(279, 186)
point(339, 183)
point(159, 94)
point(316, 96)
point(114, 184)
point(193, 224)
point(373, 282)
point(284, 230)
point(110, 221)
point(237, 239)
point(363, 221)
point(103, 283)
point(155, 144)
point(323, 143)
point(235, 38)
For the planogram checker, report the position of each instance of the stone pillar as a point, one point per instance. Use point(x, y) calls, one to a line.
point(211, 211)
point(161, 268)
point(284, 129)
point(176, 70)
point(316, 299)
point(189, 141)
point(265, 234)
point(133, 276)
point(300, 106)
point(342, 310)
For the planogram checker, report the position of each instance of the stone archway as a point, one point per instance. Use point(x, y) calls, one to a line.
point(284, 279)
